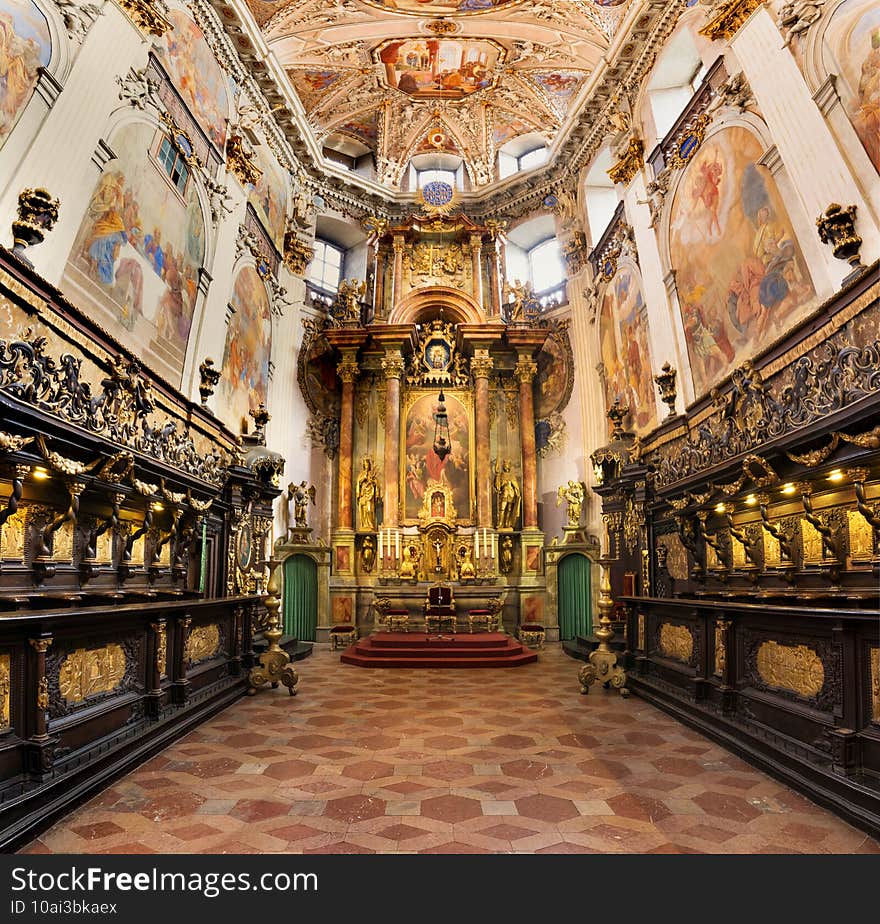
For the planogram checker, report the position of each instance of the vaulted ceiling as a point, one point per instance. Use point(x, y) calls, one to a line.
point(404, 77)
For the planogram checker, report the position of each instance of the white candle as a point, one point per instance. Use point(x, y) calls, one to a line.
point(477, 544)
point(397, 545)
point(380, 545)
point(494, 545)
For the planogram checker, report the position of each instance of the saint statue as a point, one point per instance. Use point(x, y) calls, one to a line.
point(466, 568)
point(505, 561)
point(301, 494)
point(509, 495)
point(575, 492)
point(367, 492)
point(407, 569)
point(368, 554)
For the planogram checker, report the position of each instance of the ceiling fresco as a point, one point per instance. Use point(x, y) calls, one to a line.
point(401, 77)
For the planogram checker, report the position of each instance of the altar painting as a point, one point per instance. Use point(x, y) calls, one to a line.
point(421, 465)
point(25, 47)
point(741, 277)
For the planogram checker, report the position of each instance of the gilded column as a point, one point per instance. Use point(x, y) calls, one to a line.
point(525, 372)
point(393, 367)
point(397, 279)
point(477, 268)
point(40, 725)
point(481, 366)
point(348, 371)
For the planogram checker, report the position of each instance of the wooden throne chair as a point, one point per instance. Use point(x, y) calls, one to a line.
point(440, 609)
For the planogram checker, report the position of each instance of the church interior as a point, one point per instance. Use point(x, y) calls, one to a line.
point(439, 426)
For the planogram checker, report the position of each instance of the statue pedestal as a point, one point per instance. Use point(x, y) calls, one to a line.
point(299, 535)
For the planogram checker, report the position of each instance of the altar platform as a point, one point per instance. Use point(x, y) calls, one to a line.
point(416, 649)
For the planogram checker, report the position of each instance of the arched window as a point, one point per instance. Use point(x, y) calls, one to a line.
point(325, 270)
point(600, 195)
point(525, 152)
point(440, 166)
point(532, 254)
point(674, 80)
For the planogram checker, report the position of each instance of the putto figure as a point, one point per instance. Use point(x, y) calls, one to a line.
point(509, 495)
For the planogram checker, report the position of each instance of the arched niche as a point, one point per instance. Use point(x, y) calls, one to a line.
point(202, 83)
point(246, 363)
point(845, 45)
point(624, 346)
point(426, 304)
point(740, 275)
point(137, 257)
point(37, 55)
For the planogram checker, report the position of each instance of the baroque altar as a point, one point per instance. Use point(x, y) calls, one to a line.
point(435, 464)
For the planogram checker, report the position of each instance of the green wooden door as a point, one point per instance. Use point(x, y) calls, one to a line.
point(300, 597)
point(575, 602)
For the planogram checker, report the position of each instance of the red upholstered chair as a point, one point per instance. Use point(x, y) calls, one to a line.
point(391, 617)
point(440, 609)
point(532, 635)
point(487, 619)
point(343, 635)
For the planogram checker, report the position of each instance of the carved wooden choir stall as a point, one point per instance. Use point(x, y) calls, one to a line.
point(133, 531)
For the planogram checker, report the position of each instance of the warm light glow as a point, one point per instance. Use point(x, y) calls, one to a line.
point(40, 473)
point(751, 500)
point(788, 488)
point(720, 508)
point(157, 506)
point(836, 475)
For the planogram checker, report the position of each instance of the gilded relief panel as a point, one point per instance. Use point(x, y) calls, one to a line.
point(5, 690)
point(203, 642)
point(12, 536)
point(861, 537)
point(795, 668)
point(86, 672)
point(676, 642)
point(811, 540)
point(676, 558)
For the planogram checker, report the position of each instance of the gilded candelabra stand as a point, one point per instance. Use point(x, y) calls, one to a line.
point(274, 663)
point(603, 664)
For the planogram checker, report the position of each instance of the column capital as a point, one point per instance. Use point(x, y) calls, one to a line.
point(399, 243)
point(482, 364)
point(393, 366)
point(348, 368)
point(525, 370)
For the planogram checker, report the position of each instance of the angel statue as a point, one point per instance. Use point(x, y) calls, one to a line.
point(575, 492)
point(347, 307)
point(301, 494)
point(522, 304)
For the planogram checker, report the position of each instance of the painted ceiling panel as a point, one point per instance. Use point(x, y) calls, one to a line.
point(394, 73)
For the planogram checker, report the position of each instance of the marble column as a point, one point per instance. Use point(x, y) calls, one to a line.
point(392, 366)
point(494, 299)
point(481, 367)
point(525, 371)
point(477, 268)
point(348, 371)
point(397, 279)
point(379, 281)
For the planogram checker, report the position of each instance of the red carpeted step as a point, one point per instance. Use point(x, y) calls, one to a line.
point(411, 649)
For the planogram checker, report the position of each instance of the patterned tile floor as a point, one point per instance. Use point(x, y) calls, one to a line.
point(456, 761)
